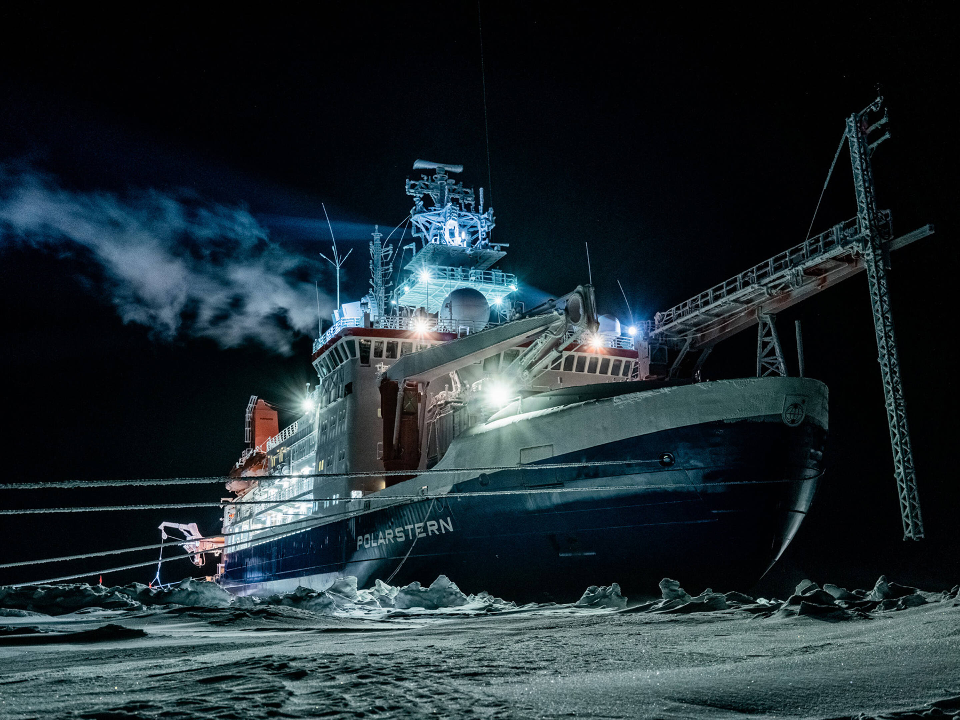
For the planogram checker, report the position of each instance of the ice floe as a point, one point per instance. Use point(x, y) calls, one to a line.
point(345, 598)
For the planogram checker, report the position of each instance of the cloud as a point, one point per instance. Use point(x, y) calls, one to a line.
point(179, 266)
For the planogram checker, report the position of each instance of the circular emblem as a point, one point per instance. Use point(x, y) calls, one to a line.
point(666, 459)
point(794, 414)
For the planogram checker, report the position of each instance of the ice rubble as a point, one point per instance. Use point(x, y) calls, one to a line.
point(830, 602)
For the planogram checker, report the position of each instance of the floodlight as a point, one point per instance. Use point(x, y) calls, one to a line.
point(499, 393)
point(632, 331)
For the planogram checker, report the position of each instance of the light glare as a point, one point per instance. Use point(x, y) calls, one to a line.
point(499, 394)
point(632, 331)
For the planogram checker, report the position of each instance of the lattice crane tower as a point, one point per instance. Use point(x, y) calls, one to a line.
point(872, 239)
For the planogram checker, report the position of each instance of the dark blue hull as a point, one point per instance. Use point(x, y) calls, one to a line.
point(719, 515)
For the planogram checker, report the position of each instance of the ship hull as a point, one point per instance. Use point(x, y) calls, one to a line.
point(712, 502)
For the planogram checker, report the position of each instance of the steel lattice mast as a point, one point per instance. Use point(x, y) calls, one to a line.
point(872, 240)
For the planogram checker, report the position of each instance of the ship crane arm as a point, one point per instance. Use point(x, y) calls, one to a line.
point(200, 545)
point(579, 317)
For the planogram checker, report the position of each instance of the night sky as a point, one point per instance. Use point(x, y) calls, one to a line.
point(682, 151)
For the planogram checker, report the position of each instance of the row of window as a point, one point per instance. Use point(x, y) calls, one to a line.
point(594, 365)
point(375, 349)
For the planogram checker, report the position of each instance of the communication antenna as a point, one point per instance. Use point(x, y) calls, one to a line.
point(486, 123)
point(337, 261)
point(319, 317)
point(626, 301)
point(589, 271)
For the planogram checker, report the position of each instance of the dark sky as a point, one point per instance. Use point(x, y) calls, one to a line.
point(682, 150)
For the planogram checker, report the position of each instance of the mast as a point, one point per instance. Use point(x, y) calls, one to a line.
point(381, 265)
point(873, 253)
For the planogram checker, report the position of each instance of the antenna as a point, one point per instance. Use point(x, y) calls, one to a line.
point(337, 261)
point(589, 271)
point(483, 79)
point(319, 317)
point(625, 300)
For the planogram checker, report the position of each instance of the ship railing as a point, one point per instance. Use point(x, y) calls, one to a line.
point(336, 328)
point(442, 274)
point(284, 434)
point(809, 252)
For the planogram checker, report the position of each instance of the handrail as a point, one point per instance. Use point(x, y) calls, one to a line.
point(812, 250)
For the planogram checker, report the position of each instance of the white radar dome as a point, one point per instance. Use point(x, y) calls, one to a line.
point(466, 306)
point(609, 325)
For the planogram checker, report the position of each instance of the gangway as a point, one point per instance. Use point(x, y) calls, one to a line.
point(683, 336)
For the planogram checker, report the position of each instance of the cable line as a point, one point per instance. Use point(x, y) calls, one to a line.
point(79, 484)
point(424, 496)
point(108, 570)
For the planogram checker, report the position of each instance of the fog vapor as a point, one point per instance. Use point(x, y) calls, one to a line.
point(178, 266)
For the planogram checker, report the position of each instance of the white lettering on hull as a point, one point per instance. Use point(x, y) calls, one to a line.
point(405, 532)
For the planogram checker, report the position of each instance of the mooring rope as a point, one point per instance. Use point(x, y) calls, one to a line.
point(425, 496)
point(147, 482)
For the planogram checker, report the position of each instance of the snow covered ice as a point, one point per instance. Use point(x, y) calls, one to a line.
point(193, 651)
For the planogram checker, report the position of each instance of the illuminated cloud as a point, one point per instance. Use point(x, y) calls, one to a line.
point(180, 267)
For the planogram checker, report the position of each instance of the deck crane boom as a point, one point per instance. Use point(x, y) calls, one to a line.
point(682, 337)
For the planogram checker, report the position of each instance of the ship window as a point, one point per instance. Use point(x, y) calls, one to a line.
point(406, 348)
point(556, 364)
point(378, 349)
point(338, 354)
point(509, 356)
point(592, 366)
point(491, 364)
point(581, 362)
point(568, 363)
point(626, 368)
point(616, 367)
point(391, 350)
point(605, 366)
point(364, 352)
point(347, 389)
point(351, 348)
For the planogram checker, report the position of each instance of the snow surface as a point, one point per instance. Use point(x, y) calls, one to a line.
point(193, 651)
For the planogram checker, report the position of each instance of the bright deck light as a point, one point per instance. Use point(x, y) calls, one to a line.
point(632, 331)
point(307, 405)
point(420, 325)
point(596, 342)
point(497, 301)
point(498, 393)
point(424, 276)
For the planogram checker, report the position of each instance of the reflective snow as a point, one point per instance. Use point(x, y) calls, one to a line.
point(190, 652)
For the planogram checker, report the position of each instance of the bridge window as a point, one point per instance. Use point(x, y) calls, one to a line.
point(568, 363)
point(605, 366)
point(338, 356)
point(491, 364)
point(406, 348)
point(626, 368)
point(592, 366)
point(616, 367)
point(351, 348)
point(510, 355)
point(378, 349)
point(365, 352)
point(391, 350)
point(581, 362)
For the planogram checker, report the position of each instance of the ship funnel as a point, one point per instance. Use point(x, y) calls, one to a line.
point(427, 165)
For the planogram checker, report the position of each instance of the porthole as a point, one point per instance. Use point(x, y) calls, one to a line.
point(667, 459)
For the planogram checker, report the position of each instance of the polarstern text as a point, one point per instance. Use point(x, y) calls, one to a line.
point(405, 532)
